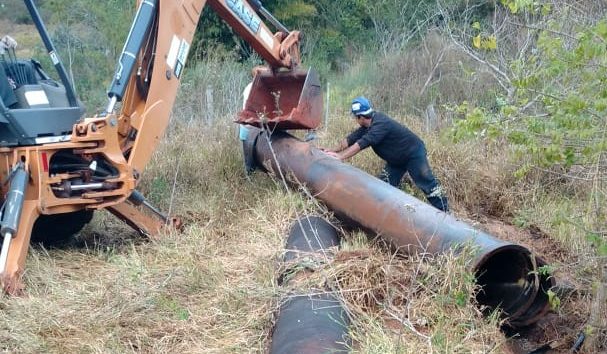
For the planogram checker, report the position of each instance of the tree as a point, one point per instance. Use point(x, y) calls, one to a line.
point(551, 62)
point(89, 37)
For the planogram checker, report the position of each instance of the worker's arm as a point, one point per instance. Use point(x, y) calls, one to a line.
point(365, 138)
point(342, 145)
point(348, 141)
point(344, 154)
point(349, 152)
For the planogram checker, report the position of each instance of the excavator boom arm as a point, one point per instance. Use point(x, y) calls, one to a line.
point(54, 172)
point(279, 50)
point(145, 115)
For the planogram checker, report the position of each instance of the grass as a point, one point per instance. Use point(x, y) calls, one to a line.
point(212, 288)
point(22, 33)
point(412, 304)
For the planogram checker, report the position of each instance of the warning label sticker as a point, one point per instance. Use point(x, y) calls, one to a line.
point(182, 57)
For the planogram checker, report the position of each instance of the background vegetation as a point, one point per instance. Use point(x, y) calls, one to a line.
point(510, 97)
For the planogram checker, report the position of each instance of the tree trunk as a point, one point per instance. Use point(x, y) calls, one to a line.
point(597, 325)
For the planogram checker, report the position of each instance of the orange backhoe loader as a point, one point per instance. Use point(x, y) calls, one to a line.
point(59, 166)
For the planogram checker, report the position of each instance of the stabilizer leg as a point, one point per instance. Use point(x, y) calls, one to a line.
point(144, 224)
point(10, 279)
point(141, 221)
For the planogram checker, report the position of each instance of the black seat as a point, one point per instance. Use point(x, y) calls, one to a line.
point(6, 91)
point(41, 110)
point(22, 72)
point(33, 87)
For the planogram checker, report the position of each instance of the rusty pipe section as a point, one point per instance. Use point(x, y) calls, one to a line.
point(508, 273)
point(310, 235)
point(315, 322)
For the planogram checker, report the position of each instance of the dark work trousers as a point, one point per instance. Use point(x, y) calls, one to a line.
point(421, 174)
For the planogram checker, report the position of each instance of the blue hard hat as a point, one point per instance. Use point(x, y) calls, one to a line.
point(361, 106)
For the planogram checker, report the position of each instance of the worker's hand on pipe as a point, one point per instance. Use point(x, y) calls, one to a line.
point(7, 42)
point(332, 154)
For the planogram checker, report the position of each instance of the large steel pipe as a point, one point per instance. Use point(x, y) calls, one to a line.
point(508, 273)
point(310, 235)
point(316, 322)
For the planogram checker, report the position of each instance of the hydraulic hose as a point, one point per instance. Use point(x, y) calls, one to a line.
point(128, 58)
point(11, 214)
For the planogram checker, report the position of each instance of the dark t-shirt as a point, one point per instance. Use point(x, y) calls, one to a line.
point(390, 140)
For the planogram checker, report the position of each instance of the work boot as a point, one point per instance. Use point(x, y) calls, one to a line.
point(383, 175)
point(438, 199)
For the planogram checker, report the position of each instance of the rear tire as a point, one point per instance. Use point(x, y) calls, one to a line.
point(58, 228)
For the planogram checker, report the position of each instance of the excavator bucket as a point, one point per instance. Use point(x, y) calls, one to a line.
point(283, 100)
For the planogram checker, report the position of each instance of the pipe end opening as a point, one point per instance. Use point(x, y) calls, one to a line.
point(509, 280)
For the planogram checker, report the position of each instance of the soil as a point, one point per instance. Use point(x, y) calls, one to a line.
point(558, 331)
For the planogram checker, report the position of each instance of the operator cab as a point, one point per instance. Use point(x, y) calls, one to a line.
point(39, 110)
point(41, 113)
point(32, 86)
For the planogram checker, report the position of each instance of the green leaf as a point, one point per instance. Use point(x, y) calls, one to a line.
point(553, 300)
point(598, 242)
point(476, 41)
point(570, 157)
point(489, 43)
point(546, 270)
point(601, 29)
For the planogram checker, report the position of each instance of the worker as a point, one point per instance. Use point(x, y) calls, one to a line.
point(7, 86)
point(399, 147)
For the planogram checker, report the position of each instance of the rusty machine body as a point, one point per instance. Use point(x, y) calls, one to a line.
point(58, 165)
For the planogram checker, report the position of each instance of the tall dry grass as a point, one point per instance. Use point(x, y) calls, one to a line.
point(212, 288)
point(479, 174)
point(430, 72)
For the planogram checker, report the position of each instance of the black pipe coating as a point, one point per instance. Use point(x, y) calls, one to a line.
point(316, 322)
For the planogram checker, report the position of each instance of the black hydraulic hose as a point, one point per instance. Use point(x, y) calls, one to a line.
point(52, 52)
point(62, 167)
point(70, 167)
point(134, 42)
point(106, 170)
point(63, 162)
